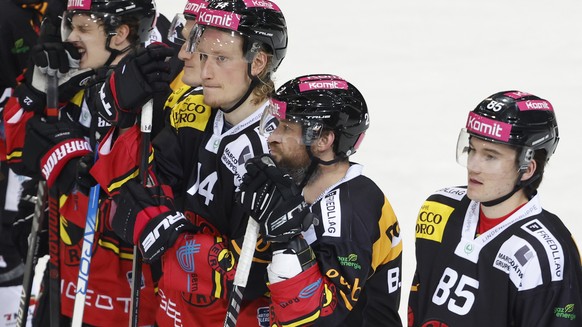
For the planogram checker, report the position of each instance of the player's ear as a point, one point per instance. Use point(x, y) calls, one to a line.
point(259, 63)
point(120, 39)
point(530, 170)
point(325, 141)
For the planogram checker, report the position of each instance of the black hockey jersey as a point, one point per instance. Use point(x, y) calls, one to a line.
point(358, 247)
point(526, 271)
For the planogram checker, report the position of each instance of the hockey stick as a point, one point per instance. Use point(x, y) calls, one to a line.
point(86, 254)
point(52, 112)
point(52, 115)
point(242, 272)
point(31, 256)
point(244, 266)
point(146, 129)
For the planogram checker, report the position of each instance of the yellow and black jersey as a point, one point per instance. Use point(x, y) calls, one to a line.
point(523, 272)
point(357, 244)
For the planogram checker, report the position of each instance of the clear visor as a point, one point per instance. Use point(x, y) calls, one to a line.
point(274, 115)
point(194, 38)
point(490, 157)
point(175, 32)
point(82, 22)
point(219, 42)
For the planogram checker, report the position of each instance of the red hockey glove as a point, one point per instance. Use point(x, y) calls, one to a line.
point(48, 147)
point(274, 200)
point(135, 80)
point(146, 216)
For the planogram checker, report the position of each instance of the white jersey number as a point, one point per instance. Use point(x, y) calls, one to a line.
point(204, 187)
point(464, 296)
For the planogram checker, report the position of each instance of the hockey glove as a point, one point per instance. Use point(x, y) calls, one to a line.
point(290, 259)
point(49, 147)
point(23, 222)
point(50, 59)
point(135, 80)
point(146, 216)
point(274, 200)
point(83, 178)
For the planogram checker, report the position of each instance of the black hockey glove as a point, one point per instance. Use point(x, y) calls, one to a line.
point(274, 200)
point(146, 215)
point(50, 59)
point(48, 147)
point(23, 222)
point(135, 80)
point(83, 178)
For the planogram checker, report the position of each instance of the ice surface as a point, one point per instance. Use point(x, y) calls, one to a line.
point(422, 65)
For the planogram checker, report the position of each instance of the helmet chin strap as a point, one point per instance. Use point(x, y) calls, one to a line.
point(315, 161)
point(518, 186)
point(254, 82)
point(114, 53)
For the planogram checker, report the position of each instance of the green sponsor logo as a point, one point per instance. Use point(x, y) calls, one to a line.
point(20, 47)
point(350, 261)
point(565, 312)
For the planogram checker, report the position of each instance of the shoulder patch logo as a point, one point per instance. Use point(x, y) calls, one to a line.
point(515, 257)
point(553, 248)
point(453, 192)
point(432, 219)
point(191, 113)
point(331, 213)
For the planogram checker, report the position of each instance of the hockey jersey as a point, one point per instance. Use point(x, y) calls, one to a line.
point(357, 279)
point(526, 271)
point(109, 286)
point(203, 160)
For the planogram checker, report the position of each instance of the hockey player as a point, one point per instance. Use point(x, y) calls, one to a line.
point(98, 35)
point(487, 253)
point(238, 44)
point(336, 243)
point(20, 22)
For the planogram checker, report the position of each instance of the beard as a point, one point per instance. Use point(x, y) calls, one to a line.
point(296, 165)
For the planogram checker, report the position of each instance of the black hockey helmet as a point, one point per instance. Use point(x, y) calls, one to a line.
point(516, 118)
point(110, 13)
point(260, 22)
point(322, 102)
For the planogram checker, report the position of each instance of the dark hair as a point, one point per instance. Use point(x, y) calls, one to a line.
point(133, 23)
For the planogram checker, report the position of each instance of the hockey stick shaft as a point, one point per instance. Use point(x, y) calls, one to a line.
point(242, 272)
point(86, 254)
point(145, 128)
point(31, 256)
point(52, 115)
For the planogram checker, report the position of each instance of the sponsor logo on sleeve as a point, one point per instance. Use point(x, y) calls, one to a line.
point(331, 213)
point(432, 219)
point(513, 257)
point(191, 113)
point(566, 312)
point(553, 248)
point(452, 192)
point(350, 261)
point(235, 155)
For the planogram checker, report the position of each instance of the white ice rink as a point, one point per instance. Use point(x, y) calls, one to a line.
point(422, 65)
